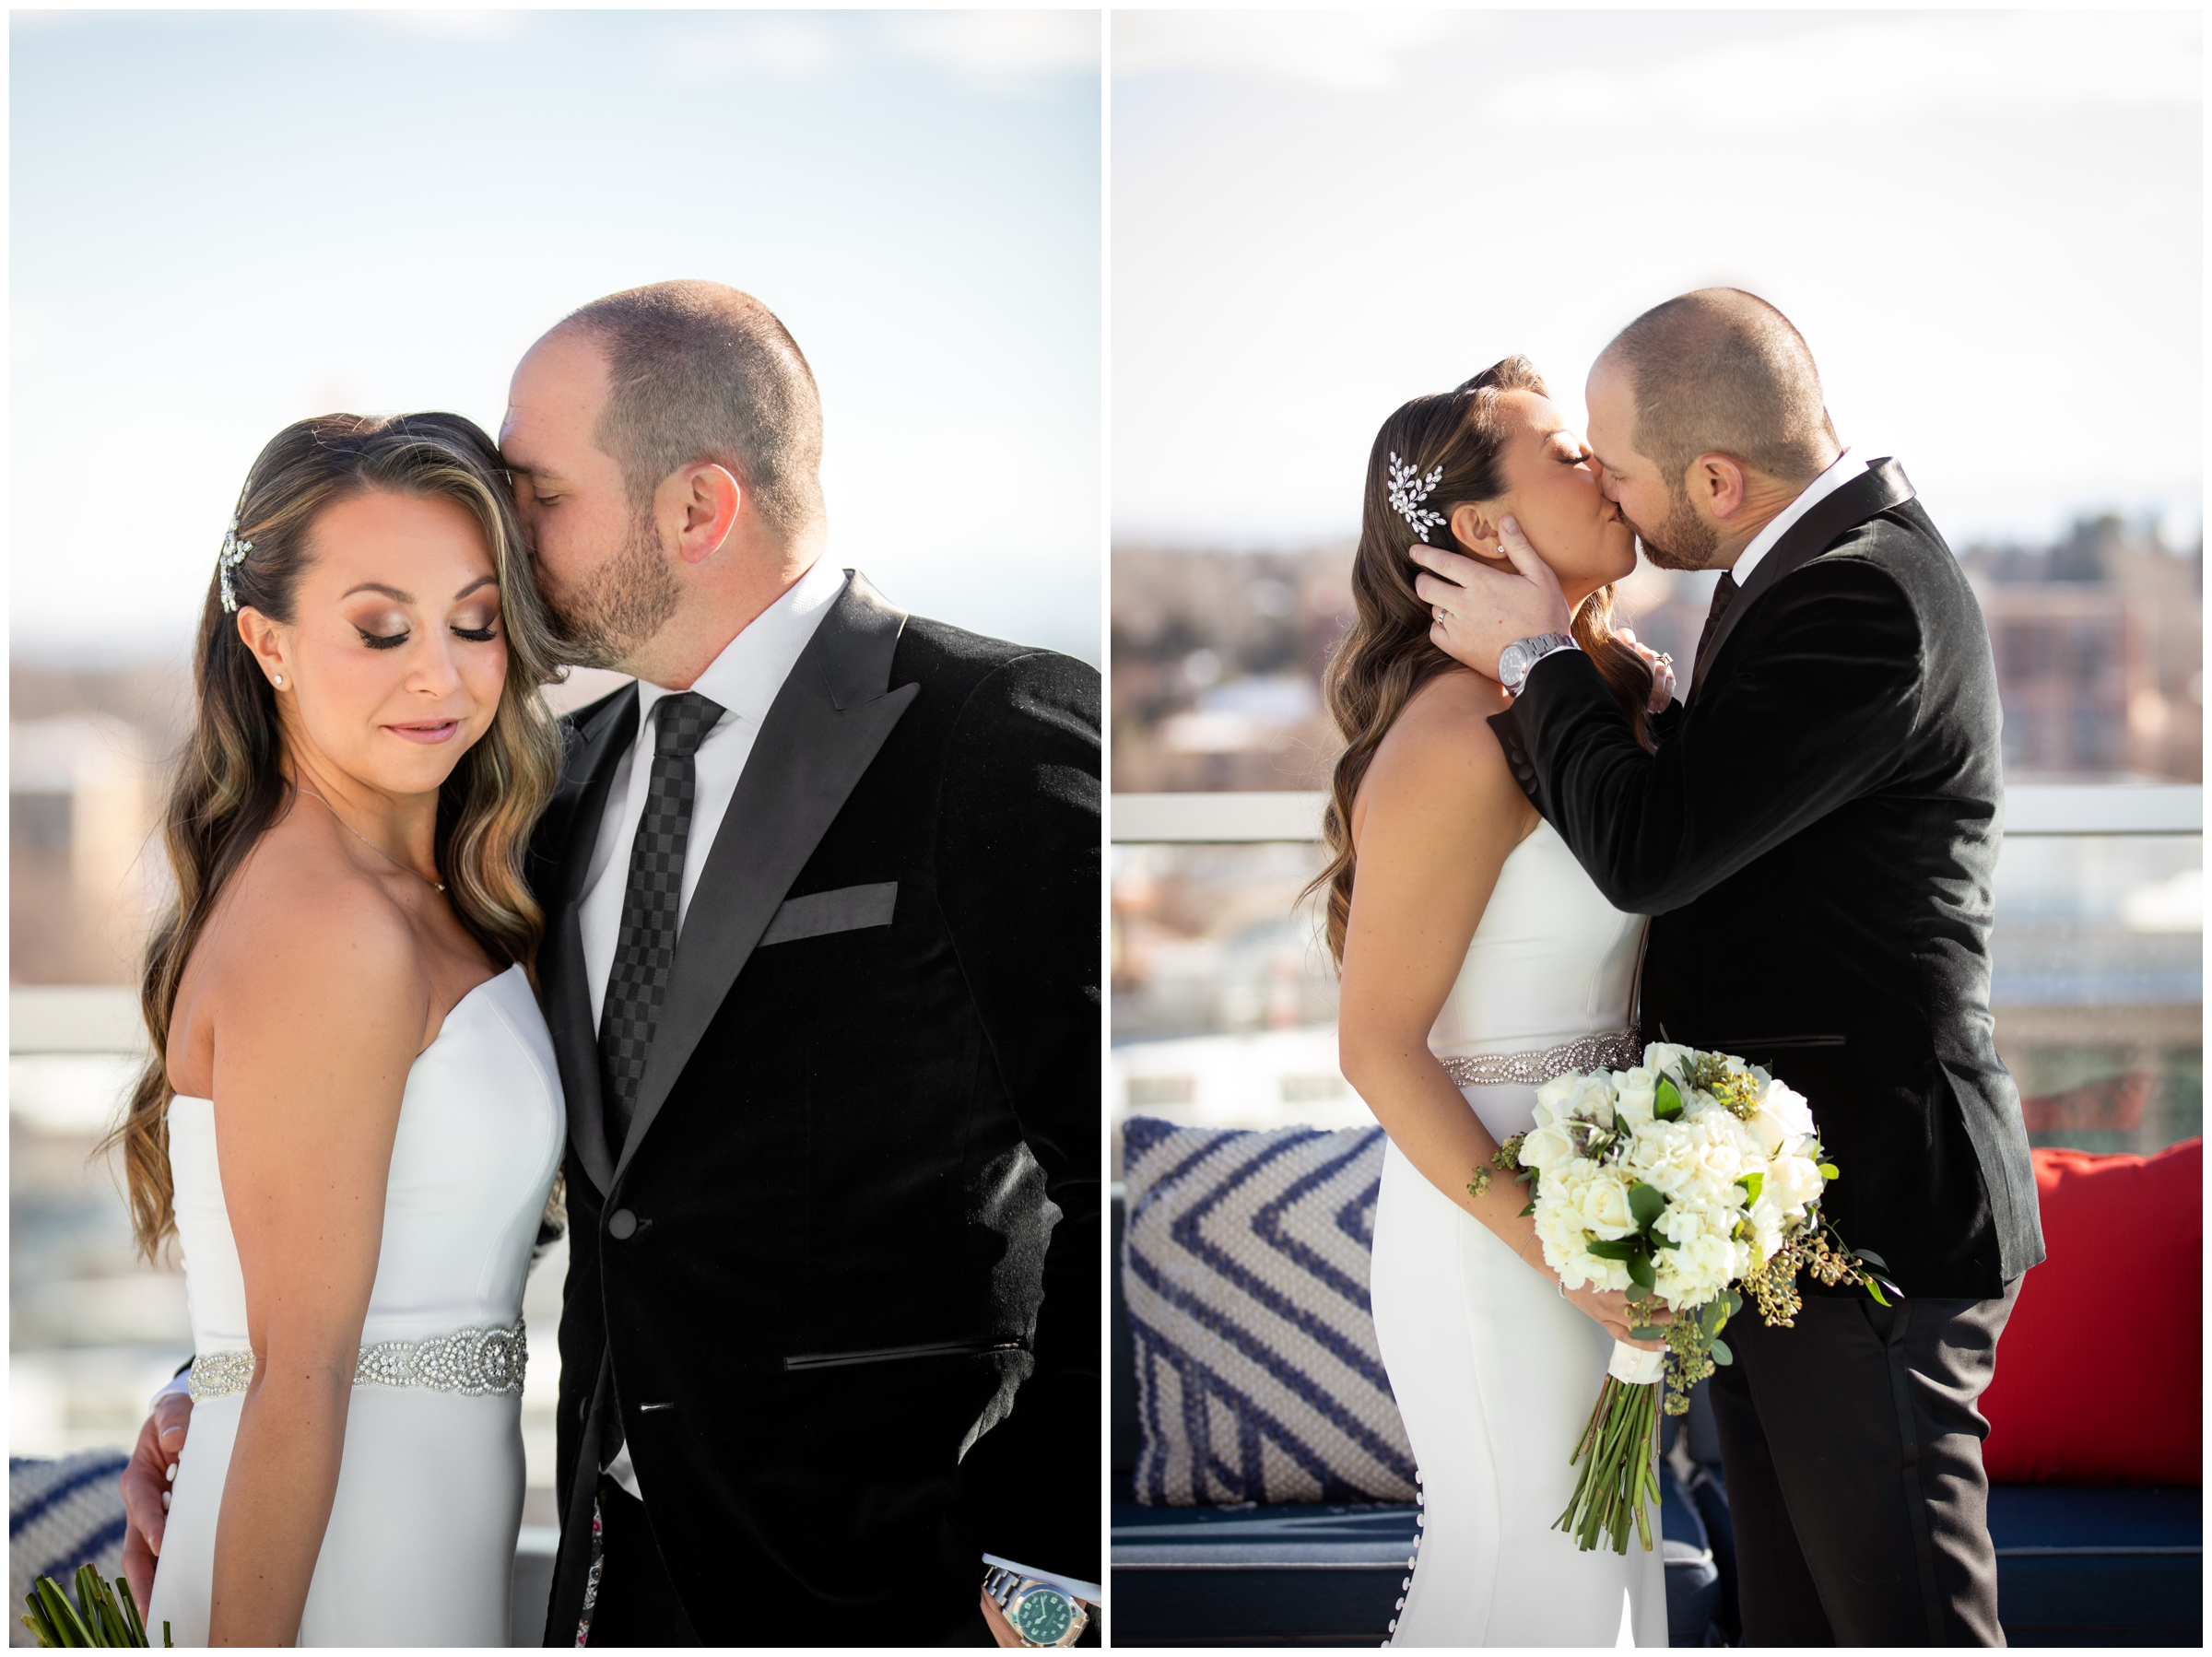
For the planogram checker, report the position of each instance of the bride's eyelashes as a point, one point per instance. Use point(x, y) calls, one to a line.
point(483, 635)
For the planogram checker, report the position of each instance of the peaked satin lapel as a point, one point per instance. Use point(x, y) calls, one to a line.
point(589, 772)
point(1874, 491)
point(822, 732)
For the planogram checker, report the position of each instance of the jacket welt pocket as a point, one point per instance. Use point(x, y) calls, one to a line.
point(848, 909)
point(891, 1355)
point(1778, 1043)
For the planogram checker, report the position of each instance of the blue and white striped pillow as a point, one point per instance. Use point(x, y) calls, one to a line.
point(1245, 1269)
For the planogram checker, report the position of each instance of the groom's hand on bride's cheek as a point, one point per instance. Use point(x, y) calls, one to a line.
point(146, 1484)
point(1475, 612)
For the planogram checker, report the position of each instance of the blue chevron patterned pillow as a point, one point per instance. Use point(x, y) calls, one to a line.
point(1246, 1267)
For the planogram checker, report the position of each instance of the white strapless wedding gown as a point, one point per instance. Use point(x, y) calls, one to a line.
point(1494, 1372)
point(420, 1545)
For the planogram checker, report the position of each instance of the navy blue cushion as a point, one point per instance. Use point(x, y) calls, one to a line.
point(2099, 1565)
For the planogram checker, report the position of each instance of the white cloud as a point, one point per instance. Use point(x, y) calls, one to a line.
point(459, 23)
point(1875, 69)
point(998, 48)
point(784, 47)
point(1352, 51)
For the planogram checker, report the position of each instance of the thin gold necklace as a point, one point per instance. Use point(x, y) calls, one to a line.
point(366, 841)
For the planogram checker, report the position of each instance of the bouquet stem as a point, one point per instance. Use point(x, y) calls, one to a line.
point(1619, 1478)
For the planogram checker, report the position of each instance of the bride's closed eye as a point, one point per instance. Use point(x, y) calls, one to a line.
point(483, 635)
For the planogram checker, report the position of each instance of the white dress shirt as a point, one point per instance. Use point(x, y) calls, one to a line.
point(1847, 466)
point(744, 680)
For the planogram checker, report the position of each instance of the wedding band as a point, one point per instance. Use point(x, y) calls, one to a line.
point(1438, 611)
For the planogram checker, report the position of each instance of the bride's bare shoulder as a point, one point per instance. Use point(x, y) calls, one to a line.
point(1441, 754)
point(298, 925)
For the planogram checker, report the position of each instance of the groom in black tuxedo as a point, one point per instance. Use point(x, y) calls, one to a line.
point(1814, 837)
point(820, 965)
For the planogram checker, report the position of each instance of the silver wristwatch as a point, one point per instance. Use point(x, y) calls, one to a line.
point(1041, 1614)
point(1522, 654)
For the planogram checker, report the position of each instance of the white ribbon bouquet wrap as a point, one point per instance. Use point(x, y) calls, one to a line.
point(1688, 1182)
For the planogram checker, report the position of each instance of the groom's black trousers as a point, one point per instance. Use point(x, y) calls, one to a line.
point(1852, 1450)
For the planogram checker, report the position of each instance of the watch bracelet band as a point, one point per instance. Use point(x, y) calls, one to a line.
point(1004, 1585)
point(1543, 644)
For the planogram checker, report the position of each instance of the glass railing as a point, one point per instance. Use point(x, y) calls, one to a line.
point(1224, 1004)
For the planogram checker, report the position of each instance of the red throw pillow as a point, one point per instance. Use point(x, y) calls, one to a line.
point(2101, 1369)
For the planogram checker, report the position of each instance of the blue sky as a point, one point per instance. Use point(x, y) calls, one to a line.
point(222, 222)
point(1988, 225)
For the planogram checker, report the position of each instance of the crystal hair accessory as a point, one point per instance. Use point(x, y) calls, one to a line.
point(1409, 489)
point(232, 555)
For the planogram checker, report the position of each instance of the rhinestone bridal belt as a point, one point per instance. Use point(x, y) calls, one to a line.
point(474, 1362)
point(1616, 1049)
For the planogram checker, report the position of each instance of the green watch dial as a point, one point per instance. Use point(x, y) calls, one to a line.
point(1043, 1615)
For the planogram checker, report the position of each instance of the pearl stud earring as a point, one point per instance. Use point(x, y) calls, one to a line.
point(279, 678)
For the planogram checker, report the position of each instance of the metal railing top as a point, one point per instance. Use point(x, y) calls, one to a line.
point(2038, 808)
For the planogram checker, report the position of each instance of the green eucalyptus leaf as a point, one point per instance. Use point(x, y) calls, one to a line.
point(1666, 1100)
point(1640, 1270)
point(1871, 1258)
point(1753, 1185)
point(1721, 1355)
point(1875, 1289)
point(1829, 1170)
point(1622, 1248)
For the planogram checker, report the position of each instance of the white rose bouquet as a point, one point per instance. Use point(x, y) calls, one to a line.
point(1689, 1182)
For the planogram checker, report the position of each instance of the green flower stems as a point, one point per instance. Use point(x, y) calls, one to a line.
point(1618, 1455)
point(99, 1618)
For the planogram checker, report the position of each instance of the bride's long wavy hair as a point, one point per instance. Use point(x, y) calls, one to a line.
point(1386, 657)
point(229, 784)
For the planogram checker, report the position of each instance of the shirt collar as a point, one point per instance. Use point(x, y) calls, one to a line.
point(1847, 466)
point(745, 678)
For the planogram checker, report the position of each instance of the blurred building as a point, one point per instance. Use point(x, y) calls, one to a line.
point(85, 873)
point(1218, 659)
point(2100, 647)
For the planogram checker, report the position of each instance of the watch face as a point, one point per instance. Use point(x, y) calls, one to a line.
point(1043, 1615)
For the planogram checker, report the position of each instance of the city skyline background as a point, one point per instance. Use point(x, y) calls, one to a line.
point(1986, 224)
point(223, 222)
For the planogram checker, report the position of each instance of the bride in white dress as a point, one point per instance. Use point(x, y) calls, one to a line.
point(1478, 959)
point(354, 1119)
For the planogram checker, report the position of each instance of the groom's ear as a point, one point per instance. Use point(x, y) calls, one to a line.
point(703, 503)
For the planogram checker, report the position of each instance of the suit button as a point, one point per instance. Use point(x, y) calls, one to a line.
point(621, 1225)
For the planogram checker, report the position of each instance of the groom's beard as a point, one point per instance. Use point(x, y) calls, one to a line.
point(1684, 542)
point(627, 600)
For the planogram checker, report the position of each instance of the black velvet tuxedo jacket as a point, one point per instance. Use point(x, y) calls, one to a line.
point(841, 1282)
point(1815, 838)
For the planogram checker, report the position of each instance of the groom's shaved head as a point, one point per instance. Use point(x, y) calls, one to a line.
point(1722, 371)
point(698, 372)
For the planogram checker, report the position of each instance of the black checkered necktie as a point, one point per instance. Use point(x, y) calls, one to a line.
point(645, 947)
point(1724, 594)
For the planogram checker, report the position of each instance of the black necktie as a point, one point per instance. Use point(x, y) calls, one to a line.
point(1724, 594)
point(637, 985)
